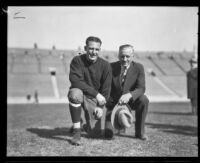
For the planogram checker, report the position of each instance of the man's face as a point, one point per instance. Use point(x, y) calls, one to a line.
point(125, 56)
point(92, 50)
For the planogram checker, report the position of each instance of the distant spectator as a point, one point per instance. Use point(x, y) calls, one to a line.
point(36, 97)
point(192, 85)
point(54, 47)
point(35, 46)
point(28, 97)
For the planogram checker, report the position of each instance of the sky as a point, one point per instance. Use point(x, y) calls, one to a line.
point(146, 28)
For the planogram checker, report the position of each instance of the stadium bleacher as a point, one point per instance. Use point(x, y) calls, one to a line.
point(25, 64)
point(153, 88)
point(28, 70)
point(9, 62)
point(148, 65)
point(184, 63)
point(186, 55)
point(178, 87)
point(169, 67)
point(20, 85)
point(52, 61)
point(63, 84)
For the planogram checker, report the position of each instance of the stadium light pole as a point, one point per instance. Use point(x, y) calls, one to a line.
point(54, 81)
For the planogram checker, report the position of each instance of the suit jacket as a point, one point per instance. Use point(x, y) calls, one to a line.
point(192, 76)
point(134, 82)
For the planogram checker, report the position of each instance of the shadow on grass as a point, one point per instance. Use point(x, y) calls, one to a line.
point(175, 129)
point(54, 133)
point(171, 113)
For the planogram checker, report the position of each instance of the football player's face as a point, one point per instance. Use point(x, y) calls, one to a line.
point(125, 56)
point(92, 50)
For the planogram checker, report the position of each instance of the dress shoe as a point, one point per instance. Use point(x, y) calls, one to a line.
point(86, 128)
point(109, 134)
point(141, 137)
point(122, 131)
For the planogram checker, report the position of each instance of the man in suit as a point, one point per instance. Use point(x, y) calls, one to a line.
point(90, 78)
point(128, 87)
point(192, 76)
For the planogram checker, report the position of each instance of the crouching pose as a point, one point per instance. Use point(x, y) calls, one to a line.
point(127, 88)
point(90, 78)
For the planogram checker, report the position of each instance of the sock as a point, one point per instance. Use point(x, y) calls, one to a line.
point(75, 111)
point(77, 125)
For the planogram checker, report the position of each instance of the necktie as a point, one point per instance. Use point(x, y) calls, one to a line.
point(123, 75)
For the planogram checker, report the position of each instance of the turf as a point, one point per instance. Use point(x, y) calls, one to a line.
point(42, 130)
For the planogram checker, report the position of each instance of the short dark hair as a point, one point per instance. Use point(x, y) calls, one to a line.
point(92, 38)
point(125, 46)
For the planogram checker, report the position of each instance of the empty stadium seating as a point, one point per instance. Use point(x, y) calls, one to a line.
point(169, 67)
point(28, 70)
point(153, 88)
point(9, 62)
point(25, 64)
point(63, 84)
point(184, 63)
point(23, 84)
point(176, 83)
point(52, 61)
point(148, 65)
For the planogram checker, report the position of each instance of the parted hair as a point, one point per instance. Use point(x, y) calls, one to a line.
point(92, 38)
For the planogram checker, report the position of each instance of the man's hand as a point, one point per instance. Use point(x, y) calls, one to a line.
point(124, 99)
point(101, 99)
point(98, 112)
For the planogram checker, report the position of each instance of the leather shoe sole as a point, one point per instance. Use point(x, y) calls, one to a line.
point(141, 137)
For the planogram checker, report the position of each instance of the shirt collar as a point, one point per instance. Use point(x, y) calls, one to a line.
point(123, 67)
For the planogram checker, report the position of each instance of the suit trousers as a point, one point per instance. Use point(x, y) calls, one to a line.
point(140, 106)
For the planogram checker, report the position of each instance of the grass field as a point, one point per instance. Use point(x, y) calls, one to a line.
point(42, 130)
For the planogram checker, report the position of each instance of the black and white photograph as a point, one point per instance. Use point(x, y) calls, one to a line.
point(102, 81)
